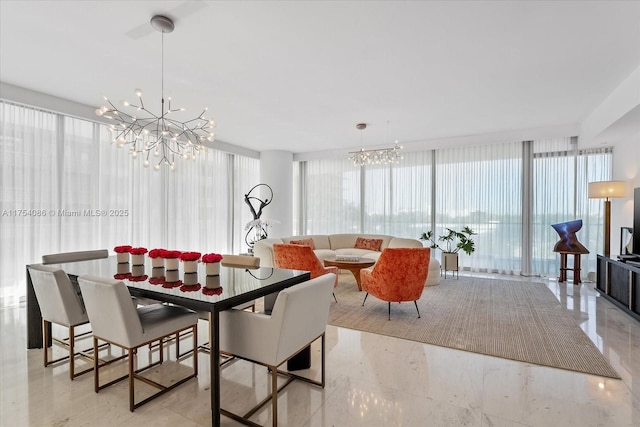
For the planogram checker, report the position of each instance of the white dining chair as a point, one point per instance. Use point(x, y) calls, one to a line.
point(299, 317)
point(116, 319)
point(60, 304)
point(63, 257)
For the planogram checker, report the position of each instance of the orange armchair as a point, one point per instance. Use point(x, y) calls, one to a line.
point(398, 276)
point(299, 257)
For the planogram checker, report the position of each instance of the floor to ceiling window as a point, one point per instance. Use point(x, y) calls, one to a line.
point(65, 187)
point(509, 194)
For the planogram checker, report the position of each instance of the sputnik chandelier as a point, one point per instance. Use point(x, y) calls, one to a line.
point(374, 157)
point(158, 139)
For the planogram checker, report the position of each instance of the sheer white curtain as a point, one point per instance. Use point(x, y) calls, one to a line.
point(332, 197)
point(481, 187)
point(28, 141)
point(397, 198)
point(561, 175)
point(65, 187)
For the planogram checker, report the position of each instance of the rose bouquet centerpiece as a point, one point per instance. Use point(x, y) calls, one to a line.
point(137, 255)
point(156, 258)
point(190, 260)
point(122, 253)
point(212, 263)
point(171, 259)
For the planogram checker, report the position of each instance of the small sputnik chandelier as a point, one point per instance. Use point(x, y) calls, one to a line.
point(158, 138)
point(374, 157)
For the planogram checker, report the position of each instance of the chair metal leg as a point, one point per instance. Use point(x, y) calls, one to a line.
point(334, 296)
point(131, 378)
point(389, 311)
point(416, 303)
point(274, 396)
point(365, 298)
point(72, 342)
point(96, 378)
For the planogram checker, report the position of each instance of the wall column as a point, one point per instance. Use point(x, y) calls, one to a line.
point(276, 170)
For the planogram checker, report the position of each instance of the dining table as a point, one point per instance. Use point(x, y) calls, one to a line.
point(194, 290)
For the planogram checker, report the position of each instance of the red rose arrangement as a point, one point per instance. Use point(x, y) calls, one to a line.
point(212, 291)
point(122, 276)
point(138, 278)
point(170, 254)
point(122, 249)
point(138, 251)
point(207, 258)
point(190, 288)
point(156, 253)
point(156, 280)
point(170, 285)
point(190, 256)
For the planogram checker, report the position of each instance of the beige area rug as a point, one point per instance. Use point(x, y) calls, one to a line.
point(515, 320)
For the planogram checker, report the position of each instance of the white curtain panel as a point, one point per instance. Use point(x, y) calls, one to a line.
point(561, 174)
point(66, 187)
point(508, 193)
point(481, 187)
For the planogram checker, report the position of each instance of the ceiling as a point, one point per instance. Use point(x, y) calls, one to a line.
point(298, 76)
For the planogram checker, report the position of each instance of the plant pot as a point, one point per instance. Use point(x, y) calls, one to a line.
point(190, 266)
point(171, 263)
point(157, 262)
point(449, 261)
point(122, 257)
point(213, 268)
point(137, 259)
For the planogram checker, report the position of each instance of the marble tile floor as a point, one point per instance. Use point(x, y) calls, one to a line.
point(372, 380)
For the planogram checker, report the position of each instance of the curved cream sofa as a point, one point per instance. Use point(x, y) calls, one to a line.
point(330, 245)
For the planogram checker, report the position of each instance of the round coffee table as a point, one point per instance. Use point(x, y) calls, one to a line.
point(353, 266)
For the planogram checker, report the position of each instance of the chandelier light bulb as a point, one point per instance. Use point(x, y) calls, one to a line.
point(156, 167)
point(138, 93)
point(146, 163)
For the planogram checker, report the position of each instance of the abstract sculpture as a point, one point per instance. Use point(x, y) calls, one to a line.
point(257, 229)
point(569, 244)
point(568, 240)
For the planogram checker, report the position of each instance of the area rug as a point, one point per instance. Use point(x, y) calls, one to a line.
point(510, 319)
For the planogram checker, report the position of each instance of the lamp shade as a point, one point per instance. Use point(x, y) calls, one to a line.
point(607, 189)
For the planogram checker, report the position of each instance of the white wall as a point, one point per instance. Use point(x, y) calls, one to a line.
point(626, 167)
point(276, 170)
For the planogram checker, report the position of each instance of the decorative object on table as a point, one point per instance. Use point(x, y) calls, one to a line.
point(607, 190)
point(212, 290)
point(137, 255)
point(212, 281)
point(166, 136)
point(137, 271)
point(171, 259)
point(569, 245)
point(452, 242)
point(212, 263)
point(376, 156)
point(156, 258)
point(122, 253)
point(190, 260)
point(257, 229)
point(190, 278)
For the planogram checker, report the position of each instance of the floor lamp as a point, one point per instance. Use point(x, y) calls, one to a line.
point(607, 190)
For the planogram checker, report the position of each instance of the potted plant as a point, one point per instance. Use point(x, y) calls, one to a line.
point(452, 242)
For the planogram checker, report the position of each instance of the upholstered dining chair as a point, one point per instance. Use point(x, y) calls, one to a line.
point(399, 275)
point(74, 256)
point(235, 261)
point(116, 319)
point(59, 304)
point(301, 257)
point(299, 318)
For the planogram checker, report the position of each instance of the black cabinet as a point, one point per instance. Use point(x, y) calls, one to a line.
point(619, 282)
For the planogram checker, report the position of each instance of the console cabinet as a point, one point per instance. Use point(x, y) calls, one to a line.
point(619, 282)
